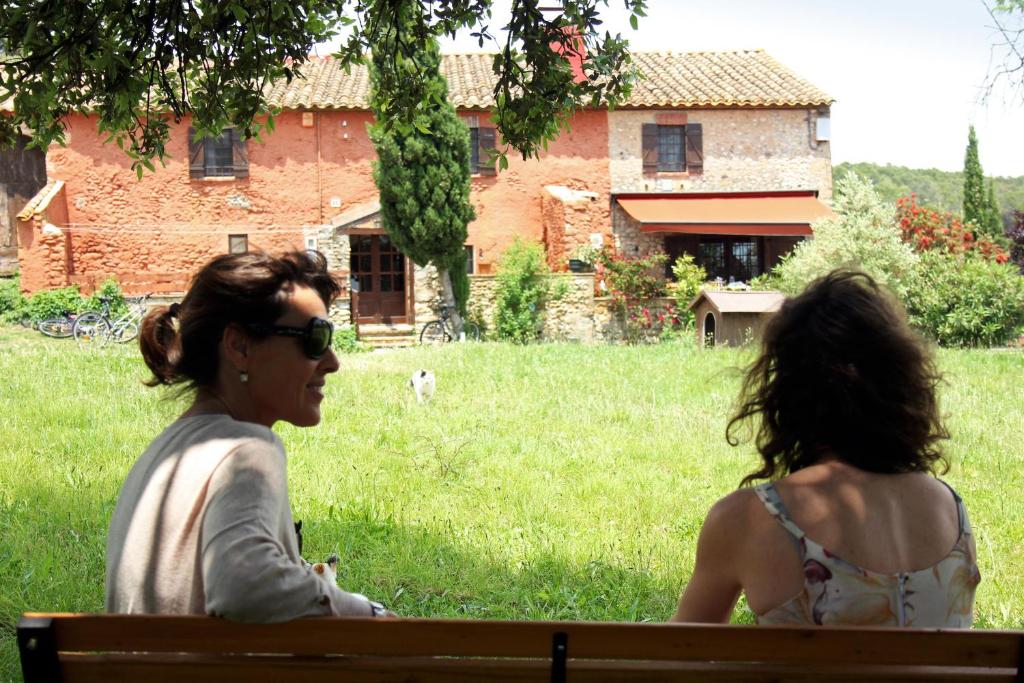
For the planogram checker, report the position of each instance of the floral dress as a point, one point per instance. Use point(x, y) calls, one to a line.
point(839, 593)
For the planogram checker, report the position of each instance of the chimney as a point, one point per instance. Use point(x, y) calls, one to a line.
point(574, 49)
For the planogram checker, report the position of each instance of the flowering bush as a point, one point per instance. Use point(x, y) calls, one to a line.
point(926, 229)
point(633, 278)
point(632, 284)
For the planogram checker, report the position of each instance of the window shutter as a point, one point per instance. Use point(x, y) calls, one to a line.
point(487, 143)
point(694, 148)
point(239, 154)
point(650, 147)
point(196, 157)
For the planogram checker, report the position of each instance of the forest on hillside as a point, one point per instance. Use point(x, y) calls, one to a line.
point(940, 189)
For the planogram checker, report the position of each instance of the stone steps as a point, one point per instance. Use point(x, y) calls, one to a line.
point(388, 336)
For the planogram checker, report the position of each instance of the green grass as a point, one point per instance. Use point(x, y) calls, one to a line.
point(554, 481)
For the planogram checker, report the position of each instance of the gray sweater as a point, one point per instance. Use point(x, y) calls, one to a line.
point(203, 526)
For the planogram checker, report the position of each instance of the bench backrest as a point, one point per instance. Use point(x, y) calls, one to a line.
point(84, 647)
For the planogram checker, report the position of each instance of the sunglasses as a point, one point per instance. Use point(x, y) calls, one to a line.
point(315, 336)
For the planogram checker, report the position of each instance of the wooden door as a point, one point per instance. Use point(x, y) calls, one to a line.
point(379, 272)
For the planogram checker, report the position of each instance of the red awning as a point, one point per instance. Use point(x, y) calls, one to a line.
point(781, 214)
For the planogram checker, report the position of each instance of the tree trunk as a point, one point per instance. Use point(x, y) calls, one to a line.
point(448, 298)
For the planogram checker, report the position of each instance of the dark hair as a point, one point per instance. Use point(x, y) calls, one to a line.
point(841, 372)
point(234, 288)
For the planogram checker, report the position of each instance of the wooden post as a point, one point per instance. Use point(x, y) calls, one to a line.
point(37, 644)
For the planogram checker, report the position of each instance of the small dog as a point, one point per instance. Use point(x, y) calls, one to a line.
point(423, 384)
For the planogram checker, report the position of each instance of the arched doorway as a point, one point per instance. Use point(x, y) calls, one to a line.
point(709, 329)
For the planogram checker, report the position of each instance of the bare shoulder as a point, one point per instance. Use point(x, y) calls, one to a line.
point(733, 512)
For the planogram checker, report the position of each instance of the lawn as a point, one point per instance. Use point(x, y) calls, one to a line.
point(552, 481)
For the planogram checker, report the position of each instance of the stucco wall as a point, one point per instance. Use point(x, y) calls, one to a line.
point(154, 232)
point(42, 234)
point(509, 204)
point(754, 149)
point(161, 228)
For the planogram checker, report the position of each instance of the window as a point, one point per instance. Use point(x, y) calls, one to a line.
point(672, 148)
point(474, 149)
point(671, 152)
point(481, 139)
point(469, 259)
point(733, 259)
point(217, 156)
point(224, 156)
point(238, 244)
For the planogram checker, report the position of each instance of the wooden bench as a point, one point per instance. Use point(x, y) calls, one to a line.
point(82, 647)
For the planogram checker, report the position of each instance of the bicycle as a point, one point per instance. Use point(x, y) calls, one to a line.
point(60, 327)
point(96, 328)
point(441, 330)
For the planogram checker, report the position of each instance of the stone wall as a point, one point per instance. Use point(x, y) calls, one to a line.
point(571, 317)
point(572, 219)
point(630, 241)
point(744, 150)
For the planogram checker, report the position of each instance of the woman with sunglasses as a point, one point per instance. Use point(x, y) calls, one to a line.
point(203, 523)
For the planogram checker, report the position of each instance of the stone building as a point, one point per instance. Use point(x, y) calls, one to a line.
point(724, 155)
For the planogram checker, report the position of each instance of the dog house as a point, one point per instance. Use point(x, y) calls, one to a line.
point(732, 318)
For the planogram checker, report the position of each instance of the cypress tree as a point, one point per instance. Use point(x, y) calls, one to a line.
point(993, 216)
point(422, 170)
point(975, 205)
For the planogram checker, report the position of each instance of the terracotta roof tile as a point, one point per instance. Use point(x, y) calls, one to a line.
point(39, 203)
point(744, 78)
point(747, 78)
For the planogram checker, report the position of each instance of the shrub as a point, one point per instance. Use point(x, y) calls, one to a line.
point(51, 303)
point(112, 291)
point(1015, 235)
point(523, 287)
point(690, 277)
point(11, 300)
point(966, 300)
point(345, 340)
point(861, 235)
point(633, 278)
point(476, 316)
point(631, 283)
point(926, 229)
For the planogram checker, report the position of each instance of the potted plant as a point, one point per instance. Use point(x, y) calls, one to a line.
point(582, 258)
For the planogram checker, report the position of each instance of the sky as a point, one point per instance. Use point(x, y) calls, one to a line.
point(906, 75)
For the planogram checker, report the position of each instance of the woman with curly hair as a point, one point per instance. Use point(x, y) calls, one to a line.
point(851, 526)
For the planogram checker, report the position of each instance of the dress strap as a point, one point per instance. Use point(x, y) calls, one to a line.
point(961, 511)
point(769, 496)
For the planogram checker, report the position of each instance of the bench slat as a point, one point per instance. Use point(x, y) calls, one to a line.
point(169, 668)
point(417, 637)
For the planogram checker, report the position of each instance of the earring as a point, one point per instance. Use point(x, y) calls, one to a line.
point(243, 376)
